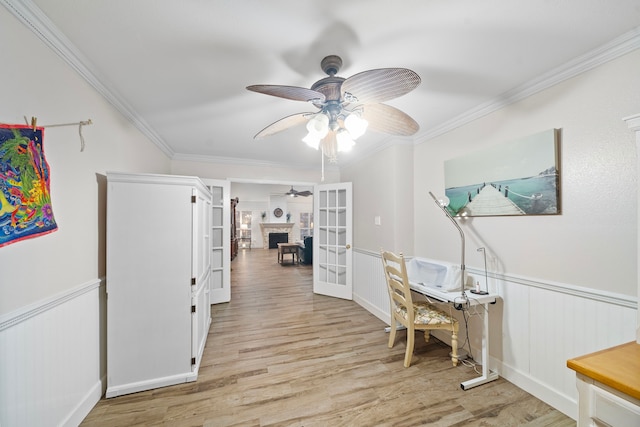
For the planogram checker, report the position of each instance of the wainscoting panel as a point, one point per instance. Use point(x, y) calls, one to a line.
point(535, 327)
point(369, 287)
point(50, 360)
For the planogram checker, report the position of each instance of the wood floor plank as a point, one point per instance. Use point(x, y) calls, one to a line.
point(279, 355)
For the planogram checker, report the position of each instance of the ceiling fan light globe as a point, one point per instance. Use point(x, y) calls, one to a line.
point(319, 124)
point(344, 141)
point(312, 140)
point(356, 125)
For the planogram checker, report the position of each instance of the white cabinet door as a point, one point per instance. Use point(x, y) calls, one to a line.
point(157, 272)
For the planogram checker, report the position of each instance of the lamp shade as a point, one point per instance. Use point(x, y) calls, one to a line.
point(344, 140)
point(356, 125)
point(319, 125)
point(312, 140)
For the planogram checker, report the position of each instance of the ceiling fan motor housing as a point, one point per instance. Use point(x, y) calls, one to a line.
point(331, 64)
point(330, 87)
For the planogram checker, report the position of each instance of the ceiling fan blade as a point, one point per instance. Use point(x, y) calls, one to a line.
point(387, 119)
point(283, 124)
point(380, 85)
point(295, 193)
point(289, 92)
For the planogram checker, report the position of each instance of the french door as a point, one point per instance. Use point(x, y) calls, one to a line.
point(220, 279)
point(332, 254)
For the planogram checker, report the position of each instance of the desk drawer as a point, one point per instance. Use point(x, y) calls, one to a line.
point(614, 410)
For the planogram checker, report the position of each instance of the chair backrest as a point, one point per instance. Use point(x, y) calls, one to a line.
point(395, 271)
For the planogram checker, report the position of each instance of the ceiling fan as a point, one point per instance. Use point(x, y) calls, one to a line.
point(347, 107)
point(295, 193)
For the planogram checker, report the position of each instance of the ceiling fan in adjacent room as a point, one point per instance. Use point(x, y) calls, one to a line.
point(295, 193)
point(346, 107)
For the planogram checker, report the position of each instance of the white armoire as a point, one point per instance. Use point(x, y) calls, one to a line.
point(158, 279)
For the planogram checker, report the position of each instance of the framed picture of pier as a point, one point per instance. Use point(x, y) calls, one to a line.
point(520, 177)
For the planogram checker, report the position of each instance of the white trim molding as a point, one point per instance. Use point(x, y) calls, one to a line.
point(619, 46)
point(29, 14)
point(32, 310)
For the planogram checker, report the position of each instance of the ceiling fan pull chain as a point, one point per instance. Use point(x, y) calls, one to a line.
point(322, 155)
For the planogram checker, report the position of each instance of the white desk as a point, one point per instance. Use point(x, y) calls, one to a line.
point(474, 299)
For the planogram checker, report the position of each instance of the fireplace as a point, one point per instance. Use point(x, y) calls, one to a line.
point(276, 227)
point(275, 238)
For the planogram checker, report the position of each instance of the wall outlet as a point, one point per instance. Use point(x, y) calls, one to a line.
point(377, 220)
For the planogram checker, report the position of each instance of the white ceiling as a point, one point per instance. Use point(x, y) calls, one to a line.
point(179, 69)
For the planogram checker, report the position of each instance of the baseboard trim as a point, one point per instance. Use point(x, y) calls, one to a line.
point(371, 308)
point(559, 401)
point(85, 406)
point(150, 384)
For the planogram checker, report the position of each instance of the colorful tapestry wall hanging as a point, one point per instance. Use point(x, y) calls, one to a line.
point(25, 200)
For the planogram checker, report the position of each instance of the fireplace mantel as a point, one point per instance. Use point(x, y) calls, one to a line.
point(275, 227)
point(286, 225)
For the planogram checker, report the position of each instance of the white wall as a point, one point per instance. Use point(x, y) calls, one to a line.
point(40, 84)
point(51, 318)
point(383, 187)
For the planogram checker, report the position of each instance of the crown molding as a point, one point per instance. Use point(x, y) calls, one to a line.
point(30, 15)
point(619, 46)
point(246, 162)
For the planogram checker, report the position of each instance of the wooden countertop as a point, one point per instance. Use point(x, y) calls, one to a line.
point(617, 367)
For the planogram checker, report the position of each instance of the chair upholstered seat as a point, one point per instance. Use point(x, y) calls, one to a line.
point(426, 314)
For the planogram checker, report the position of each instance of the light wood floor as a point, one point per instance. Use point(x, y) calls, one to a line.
point(278, 355)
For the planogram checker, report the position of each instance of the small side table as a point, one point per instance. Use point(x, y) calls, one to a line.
point(287, 248)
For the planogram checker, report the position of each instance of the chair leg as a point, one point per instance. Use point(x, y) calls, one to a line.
point(426, 335)
point(410, 343)
point(454, 346)
point(392, 332)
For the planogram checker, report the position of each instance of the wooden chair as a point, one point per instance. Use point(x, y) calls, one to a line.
point(420, 315)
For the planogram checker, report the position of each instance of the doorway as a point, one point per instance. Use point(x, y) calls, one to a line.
point(269, 202)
